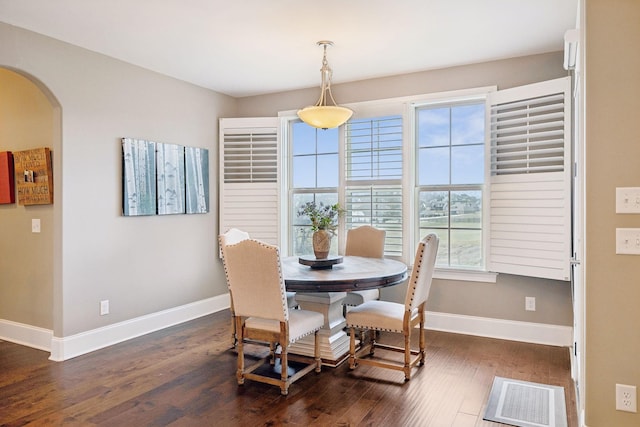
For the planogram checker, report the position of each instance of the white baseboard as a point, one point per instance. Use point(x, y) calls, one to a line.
point(31, 336)
point(85, 342)
point(538, 333)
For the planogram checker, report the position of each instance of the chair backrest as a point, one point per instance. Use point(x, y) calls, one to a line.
point(253, 271)
point(232, 236)
point(365, 241)
point(422, 273)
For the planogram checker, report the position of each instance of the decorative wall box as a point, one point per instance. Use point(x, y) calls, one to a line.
point(7, 188)
point(34, 177)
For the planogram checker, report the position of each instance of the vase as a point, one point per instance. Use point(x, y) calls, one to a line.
point(321, 243)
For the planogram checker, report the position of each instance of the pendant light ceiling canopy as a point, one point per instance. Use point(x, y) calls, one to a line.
point(323, 115)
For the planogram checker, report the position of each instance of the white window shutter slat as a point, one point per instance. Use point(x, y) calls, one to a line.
point(249, 177)
point(530, 184)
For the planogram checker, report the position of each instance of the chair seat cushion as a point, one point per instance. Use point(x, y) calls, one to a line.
point(301, 323)
point(360, 297)
point(291, 300)
point(378, 315)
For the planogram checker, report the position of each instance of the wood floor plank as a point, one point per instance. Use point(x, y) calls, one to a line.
point(185, 376)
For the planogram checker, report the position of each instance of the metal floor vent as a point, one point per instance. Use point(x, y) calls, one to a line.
point(526, 404)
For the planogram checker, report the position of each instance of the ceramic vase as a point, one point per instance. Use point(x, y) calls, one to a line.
point(321, 243)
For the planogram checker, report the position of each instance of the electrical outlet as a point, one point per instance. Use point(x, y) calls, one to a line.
point(104, 307)
point(626, 398)
point(530, 303)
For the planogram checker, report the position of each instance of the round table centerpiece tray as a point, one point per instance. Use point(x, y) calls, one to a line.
point(319, 263)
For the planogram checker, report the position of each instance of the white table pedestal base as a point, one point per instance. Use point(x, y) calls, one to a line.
point(334, 342)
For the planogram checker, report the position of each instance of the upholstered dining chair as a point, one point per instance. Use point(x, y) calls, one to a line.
point(366, 241)
point(254, 273)
point(395, 317)
point(233, 236)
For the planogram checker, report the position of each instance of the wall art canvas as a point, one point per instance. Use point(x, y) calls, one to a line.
point(197, 179)
point(33, 176)
point(139, 177)
point(7, 182)
point(170, 178)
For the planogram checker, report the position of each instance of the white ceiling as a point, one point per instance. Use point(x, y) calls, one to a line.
point(250, 47)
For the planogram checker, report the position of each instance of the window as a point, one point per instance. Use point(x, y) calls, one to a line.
point(373, 194)
point(314, 177)
point(450, 175)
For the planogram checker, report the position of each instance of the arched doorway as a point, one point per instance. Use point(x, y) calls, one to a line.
point(30, 289)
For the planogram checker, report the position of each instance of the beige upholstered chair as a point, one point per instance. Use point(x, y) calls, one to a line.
point(364, 241)
point(395, 317)
point(231, 237)
point(254, 273)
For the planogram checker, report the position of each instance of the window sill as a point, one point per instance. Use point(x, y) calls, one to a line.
point(465, 275)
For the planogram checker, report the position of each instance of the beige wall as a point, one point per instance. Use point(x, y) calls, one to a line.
point(501, 300)
point(26, 285)
point(141, 264)
point(505, 74)
point(612, 102)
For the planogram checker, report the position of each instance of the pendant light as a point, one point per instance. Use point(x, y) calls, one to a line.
point(321, 115)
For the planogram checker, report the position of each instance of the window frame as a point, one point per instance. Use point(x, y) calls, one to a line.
point(406, 107)
point(450, 187)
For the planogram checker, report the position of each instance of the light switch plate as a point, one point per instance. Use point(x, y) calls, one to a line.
point(628, 200)
point(35, 225)
point(628, 241)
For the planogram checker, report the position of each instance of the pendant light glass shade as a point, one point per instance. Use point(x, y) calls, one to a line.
point(325, 116)
point(321, 115)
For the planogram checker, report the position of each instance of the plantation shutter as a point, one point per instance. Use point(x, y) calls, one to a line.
point(530, 184)
point(373, 194)
point(249, 177)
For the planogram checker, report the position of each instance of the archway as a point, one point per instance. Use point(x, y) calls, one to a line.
point(31, 291)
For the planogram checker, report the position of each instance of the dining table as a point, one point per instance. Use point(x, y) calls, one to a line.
point(322, 284)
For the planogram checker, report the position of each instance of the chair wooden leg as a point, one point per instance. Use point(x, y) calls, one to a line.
point(422, 342)
point(272, 353)
point(234, 336)
point(240, 349)
point(373, 337)
point(284, 369)
point(316, 351)
point(407, 355)
point(352, 348)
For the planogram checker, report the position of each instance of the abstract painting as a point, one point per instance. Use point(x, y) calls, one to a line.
point(170, 179)
point(197, 180)
point(139, 177)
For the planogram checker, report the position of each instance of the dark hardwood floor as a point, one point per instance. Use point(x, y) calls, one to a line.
point(185, 376)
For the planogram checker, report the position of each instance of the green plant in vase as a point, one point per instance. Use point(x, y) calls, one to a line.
point(324, 221)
